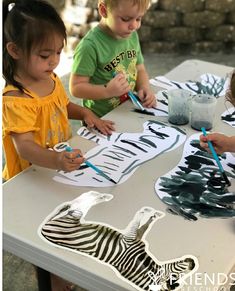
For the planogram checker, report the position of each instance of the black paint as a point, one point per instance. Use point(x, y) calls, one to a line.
point(178, 119)
point(198, 188)
point(199, 124)
point(143, 111)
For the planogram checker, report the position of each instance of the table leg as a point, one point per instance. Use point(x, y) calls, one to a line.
point(44, 279)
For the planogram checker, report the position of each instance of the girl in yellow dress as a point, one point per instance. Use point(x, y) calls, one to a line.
point(35, 106)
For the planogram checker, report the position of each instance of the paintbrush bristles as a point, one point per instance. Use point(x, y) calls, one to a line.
point(226, 179)
point(143, 111)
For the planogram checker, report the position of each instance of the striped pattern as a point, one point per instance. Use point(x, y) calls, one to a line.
point(123, 251)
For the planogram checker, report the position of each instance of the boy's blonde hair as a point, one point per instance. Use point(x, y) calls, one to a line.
point(143, 5)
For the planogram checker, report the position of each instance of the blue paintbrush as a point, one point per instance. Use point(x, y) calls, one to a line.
point(89, 164)
point(216, 158)
point(135, 100)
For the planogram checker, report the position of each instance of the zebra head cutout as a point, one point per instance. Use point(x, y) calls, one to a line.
point(126, 252)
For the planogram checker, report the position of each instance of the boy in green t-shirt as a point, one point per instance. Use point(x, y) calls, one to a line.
point(112, 49)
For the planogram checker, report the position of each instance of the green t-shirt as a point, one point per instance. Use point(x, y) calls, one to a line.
point(99, 55)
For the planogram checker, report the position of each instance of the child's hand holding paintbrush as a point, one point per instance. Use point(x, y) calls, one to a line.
point(143, 88)
point(221, 142)
point(147, 97)
point(69, 161)
point(215, 156)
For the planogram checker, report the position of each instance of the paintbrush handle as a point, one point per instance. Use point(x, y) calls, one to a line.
point(89, 164)
point(213, 151)
point(216, 158)
point(92, 166)
point(135, 100)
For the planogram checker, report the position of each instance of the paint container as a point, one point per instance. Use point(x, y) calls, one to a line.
point(179, 101)
point(203, 111)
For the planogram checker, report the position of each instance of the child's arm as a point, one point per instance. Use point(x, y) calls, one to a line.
point(35, 154)
point(222, 143)
point(81, 113)
point(80, 87)
point(143, 87)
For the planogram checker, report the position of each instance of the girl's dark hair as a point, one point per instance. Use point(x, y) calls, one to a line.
point(27, 23)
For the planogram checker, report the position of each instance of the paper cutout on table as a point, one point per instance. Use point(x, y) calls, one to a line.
point(229, 116)
point(120, 154)
point(195, 187)
point(126, 251)
point(209, 84)
point(162, 105)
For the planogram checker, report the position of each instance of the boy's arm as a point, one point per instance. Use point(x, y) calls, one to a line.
point(143, 87)
point(80, 87)
point(142, 81)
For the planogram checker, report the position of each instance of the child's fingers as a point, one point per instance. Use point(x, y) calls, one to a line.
point(72, 164)
point(109, 123)
point(203, 144)
point(148, 99)
point(106, 127)
point(149, 102)
point(111, 127)
point(77, 156)
point(74, 157)
point(141, 95)
point(203, 138)
point(89, 122)
point(120, 76)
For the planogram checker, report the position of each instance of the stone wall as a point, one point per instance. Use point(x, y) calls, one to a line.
point(189, 25)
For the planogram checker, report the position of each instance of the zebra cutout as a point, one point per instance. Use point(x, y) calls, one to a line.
point(120, 154)
point(208, 84)
point(195, 187)
point(126, 252)
point(229, 116)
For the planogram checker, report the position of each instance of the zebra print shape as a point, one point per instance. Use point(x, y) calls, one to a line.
point(195, 187)
point(126, 252)
point(208, 84)
point(229, 116)
point(120, 154)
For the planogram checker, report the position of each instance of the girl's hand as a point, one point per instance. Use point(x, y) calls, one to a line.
point(69, 161)
point(104, 126)
point(147, 98)
point(117, 86)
